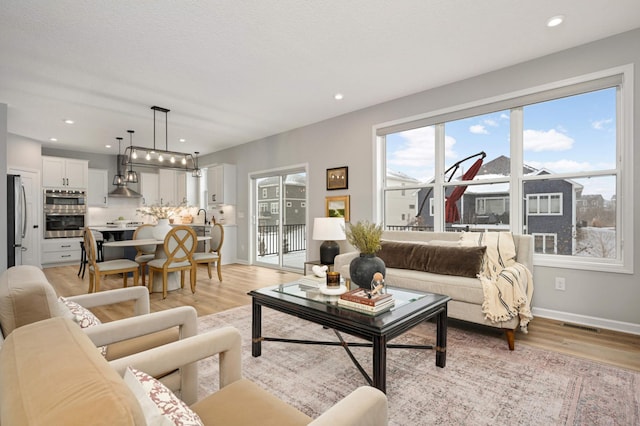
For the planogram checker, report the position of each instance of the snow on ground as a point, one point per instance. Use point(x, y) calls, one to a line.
point(596, 242)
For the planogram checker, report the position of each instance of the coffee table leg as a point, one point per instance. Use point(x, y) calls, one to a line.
point(380, 363)
point(256, 329)
point(441, 338)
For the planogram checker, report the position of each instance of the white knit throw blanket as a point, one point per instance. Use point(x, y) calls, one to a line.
point(507, 284)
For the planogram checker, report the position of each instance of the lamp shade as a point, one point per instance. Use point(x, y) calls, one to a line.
point(328, 228)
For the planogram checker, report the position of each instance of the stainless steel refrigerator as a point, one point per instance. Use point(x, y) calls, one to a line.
point(17, 219)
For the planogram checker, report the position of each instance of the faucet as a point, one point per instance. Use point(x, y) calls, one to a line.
point(205, 215)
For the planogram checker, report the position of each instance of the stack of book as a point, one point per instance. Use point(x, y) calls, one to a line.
point(360, 300)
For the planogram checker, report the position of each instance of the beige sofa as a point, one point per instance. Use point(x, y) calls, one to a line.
point(51, 374)
point(466, 293)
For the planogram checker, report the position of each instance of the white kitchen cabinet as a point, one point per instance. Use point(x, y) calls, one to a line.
point(149, 189)
point(98, 188)
point(167, 189)
point(61, 250)
point(221, 184)
point(187, 188)
point(67, 173)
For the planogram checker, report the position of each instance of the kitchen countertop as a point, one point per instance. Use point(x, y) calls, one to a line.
point(105, 228)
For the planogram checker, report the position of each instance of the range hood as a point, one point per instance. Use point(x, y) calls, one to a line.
point(121, 190)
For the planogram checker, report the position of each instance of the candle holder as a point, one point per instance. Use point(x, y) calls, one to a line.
point(333, 279)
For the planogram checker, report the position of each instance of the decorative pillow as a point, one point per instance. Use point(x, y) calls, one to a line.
point(83, 317)
point(159, 404)
point(458, 261)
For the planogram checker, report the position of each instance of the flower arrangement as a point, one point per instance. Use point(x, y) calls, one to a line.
point(159, 211)
point(364, 236)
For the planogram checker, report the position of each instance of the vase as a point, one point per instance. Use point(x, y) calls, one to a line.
point(161, 229)
point(363, 267)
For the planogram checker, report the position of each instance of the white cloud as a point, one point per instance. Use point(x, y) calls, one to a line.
point(478, 129)
point(491, 123)
point(550, 140)
point(504, 116)
point(416, 158)
point(601, 124)
point(418, 150)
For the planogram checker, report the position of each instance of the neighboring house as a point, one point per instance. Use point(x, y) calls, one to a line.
point(293, 201)
point(402, 208)
point(550, 215)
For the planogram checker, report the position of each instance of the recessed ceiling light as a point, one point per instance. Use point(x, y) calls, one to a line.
point(68, 121)
point(183, 140)
point(107, 146)
point(53, 139)
point(338, 96)
point(554, 21)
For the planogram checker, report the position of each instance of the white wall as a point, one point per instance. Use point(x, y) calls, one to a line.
point(347, 140)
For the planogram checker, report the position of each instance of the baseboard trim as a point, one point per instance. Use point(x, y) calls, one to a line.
point(624, 327)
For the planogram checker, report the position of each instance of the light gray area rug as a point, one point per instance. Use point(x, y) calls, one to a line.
point(483, 383)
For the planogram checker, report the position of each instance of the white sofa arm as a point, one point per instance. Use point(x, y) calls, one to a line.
point(344, 259)
point(225, 341)
point(139, 294)
point(365, 406)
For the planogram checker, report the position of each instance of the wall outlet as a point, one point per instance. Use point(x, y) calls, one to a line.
point(560, 284)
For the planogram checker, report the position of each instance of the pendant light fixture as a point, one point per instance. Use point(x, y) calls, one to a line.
point(132, 175)
point(118, 179)
point(197, 172)
point(159, 158)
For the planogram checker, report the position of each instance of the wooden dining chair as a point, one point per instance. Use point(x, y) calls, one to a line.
point(144, 254)
point(178, 248)
point(213, 255)
point(110, 267)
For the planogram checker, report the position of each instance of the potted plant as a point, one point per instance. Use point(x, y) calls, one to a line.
point(365, 237)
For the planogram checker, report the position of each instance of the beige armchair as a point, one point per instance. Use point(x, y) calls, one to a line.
point(26, 296)
point(54, 366)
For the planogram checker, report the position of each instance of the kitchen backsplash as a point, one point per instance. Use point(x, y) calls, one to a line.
point(118, 207)
point(126, 207)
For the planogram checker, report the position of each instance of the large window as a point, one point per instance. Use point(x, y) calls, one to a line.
point(548, 163)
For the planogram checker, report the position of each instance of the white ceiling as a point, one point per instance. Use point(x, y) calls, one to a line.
point(235, 71)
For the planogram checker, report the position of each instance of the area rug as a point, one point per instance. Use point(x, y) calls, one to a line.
point(483, 382)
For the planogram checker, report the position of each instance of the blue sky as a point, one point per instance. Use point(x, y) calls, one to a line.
point(573, 134)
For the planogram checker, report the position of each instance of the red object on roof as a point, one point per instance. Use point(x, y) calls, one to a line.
point(452, 214)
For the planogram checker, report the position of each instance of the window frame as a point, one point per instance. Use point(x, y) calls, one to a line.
point(515, 102)
point(548, 196)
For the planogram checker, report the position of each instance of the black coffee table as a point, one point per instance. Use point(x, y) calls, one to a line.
point(306, 302)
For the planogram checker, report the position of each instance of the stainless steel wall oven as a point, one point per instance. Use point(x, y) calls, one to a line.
point(64, 213)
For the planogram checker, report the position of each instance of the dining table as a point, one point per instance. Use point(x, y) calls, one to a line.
point(173, 280)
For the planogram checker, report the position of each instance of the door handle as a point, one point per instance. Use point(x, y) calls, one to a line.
point(23, 248)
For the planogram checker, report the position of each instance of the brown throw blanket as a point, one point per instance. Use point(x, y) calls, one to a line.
point(507, 284)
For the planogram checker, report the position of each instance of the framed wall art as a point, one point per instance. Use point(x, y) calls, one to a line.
point(338, 207)
point(338, 178)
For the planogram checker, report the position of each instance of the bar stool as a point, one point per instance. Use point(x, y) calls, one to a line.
point(83, 254)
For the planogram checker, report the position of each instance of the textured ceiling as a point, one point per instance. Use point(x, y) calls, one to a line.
point(235, 71)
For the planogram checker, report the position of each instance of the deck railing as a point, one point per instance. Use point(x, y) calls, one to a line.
point(294, 239)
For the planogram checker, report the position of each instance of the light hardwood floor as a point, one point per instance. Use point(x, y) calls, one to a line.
point(619, 349)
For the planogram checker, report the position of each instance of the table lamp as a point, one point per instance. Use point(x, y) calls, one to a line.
point(328, 229)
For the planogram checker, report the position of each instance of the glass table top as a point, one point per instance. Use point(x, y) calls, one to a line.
point(310, 292)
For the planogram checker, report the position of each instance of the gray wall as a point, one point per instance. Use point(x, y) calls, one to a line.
point(347, 140)
point(3, 188)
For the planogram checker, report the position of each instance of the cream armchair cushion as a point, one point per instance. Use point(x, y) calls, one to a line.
point(24, 299)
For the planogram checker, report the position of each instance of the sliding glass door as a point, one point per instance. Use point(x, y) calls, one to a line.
point(280, 214)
